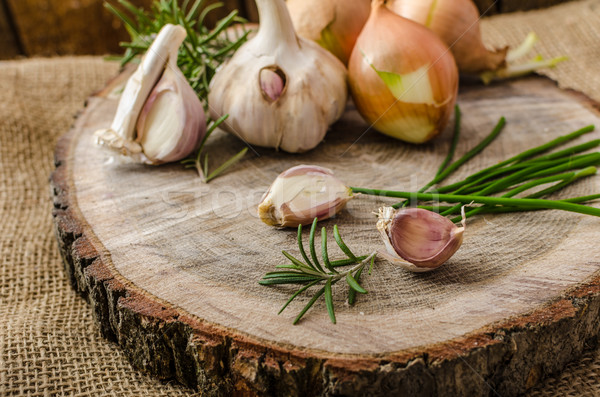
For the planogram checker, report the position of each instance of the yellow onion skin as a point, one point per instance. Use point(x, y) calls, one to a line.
point(333, 24)
point(394, 44)
point(456, 22)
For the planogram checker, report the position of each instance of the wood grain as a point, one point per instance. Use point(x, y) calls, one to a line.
point(170, 265)
point(9, 44)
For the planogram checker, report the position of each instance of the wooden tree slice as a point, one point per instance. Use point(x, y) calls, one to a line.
point(170, 265)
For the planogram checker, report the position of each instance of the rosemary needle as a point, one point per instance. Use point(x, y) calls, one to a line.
point(310, 273)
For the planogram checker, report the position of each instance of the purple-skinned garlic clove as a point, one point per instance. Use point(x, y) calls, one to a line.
point(301, 194)
point(272, 83)
point(417, 239)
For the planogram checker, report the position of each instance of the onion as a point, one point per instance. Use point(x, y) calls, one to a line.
point(402, 77)
point(456, 22)
point(333, 24)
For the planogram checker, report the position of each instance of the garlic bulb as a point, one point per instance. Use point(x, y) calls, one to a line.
point(279, 90)
point(159, 117)
point(301, 194)
point(417, 239)
point(334, 24)
point(403, 79)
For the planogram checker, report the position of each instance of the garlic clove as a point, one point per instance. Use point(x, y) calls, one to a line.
point(293, 114)
point(272, 83)
point(120, 136)
point(406, 88)
point(301, 194)
point(172, 122)
point(417, 239)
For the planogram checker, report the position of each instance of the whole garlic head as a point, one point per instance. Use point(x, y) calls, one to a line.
point(279, 90)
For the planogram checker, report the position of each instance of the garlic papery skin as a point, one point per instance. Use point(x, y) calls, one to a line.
point(456, 22)
point(280, 91)
point(301, 194)
point(121, 134)
point(403, 78)
point(172, 122)
point(333, 24)
point(417, 239)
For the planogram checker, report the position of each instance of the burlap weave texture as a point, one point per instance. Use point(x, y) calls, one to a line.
point(49, 343)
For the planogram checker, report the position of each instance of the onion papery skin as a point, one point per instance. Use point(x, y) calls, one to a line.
point(333, 24)
point(456, 22)
point(395, 46)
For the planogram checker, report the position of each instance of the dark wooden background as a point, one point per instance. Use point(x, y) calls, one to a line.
point(60, 27)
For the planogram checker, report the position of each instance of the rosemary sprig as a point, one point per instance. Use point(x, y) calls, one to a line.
point(310, 272)
point(202, 52)
point(203, 49)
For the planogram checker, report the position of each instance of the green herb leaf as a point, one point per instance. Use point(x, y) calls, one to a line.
point(328, 264)
point(309, 305)
point(307, 273)
point(311, 240)
point(329, 300)
point(340, 242)
point(354, 284)
point(301, 290)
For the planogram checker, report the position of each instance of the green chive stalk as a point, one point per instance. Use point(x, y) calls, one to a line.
point(467, 199)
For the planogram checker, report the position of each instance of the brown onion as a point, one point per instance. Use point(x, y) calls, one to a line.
point(403, 78)
point(456, 22)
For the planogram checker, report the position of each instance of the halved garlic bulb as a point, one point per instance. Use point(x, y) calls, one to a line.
point(279, 90)
point(172, 122)
point(403, 78)
point(301, 194)
point(159, 118)
point(417, 239)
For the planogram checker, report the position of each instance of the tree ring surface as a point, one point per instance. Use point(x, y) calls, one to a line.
point(200, 248)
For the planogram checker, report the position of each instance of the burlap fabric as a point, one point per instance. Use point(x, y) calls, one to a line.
point(49, 343)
